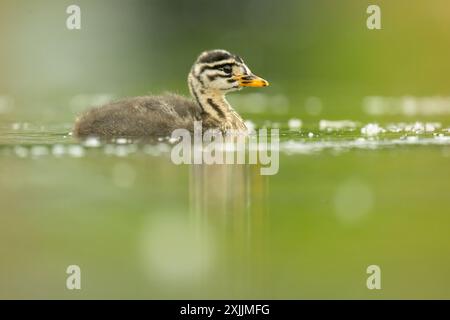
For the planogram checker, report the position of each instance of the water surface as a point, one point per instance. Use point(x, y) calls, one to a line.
point(347, 195)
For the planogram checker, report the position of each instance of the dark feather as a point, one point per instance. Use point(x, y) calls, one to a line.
point(139, 117)
point(214, 56)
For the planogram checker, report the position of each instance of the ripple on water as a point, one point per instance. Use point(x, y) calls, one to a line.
point(372, 129)
point(331, 125)
point(24, 140)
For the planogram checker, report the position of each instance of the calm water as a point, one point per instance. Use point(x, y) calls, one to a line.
point(347, 195)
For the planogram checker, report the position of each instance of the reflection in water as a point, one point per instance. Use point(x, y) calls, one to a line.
point(220, 237)
point(231, 199)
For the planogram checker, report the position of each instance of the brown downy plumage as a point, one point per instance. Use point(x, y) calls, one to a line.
point(214, 74)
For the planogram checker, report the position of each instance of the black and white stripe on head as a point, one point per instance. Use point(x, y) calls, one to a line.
point(216, 69)
point(214, 56)
point(216, 59)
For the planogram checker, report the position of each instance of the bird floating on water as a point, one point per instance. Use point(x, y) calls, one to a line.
point(213, 75)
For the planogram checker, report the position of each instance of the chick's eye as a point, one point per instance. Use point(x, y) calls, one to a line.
point(226, 69)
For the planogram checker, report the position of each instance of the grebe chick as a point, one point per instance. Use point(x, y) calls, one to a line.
point(213, 75)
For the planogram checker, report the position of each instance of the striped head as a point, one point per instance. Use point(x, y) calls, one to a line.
point(222, 72)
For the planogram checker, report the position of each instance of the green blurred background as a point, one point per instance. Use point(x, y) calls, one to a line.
point(141, 227)
point(305, 48)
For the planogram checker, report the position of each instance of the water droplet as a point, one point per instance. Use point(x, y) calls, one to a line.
point(21, 151)
point(92, 142)
point(38, 151)
point(294, 124)
point(58, 150)
point(372, 129)
point(75, 151)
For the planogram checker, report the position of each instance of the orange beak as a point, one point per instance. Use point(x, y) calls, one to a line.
point(251, 81)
